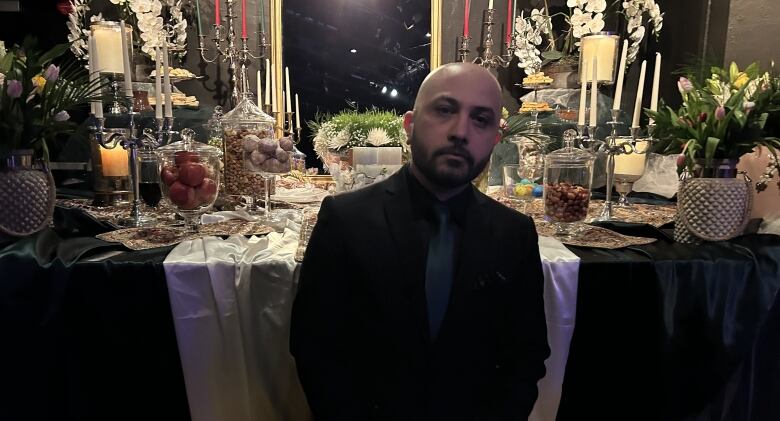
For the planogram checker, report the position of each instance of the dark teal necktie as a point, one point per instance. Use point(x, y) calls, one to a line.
point(439, 268)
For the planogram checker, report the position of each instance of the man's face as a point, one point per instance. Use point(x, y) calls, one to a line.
point(452, 131)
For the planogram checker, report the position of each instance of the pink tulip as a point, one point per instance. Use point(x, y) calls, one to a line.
point(52, 73)
point(720, 113)
point(684, 85)
point(680, 160)
point(14, 89)
point(702, 117)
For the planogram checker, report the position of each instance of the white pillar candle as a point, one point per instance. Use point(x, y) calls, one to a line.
point(594, 95)
point(631, 165)
point(621, 77)
point(94, 75)
point(287, 87)
point(126, 60)
point(656, 81)
point(639, 92)
point(158, 103)
point(267, 82)
point(583, 102)
point(108, 44)
point(604, 49)
point(167, 81)
point(273, 90)
point(490, 4)
point(259, 91)
point(297, 113)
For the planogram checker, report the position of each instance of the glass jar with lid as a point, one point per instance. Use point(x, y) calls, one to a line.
point(189, 176)
point(243, 121)
point(523, 181)
point(568, 174)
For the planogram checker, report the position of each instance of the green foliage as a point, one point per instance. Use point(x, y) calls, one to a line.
point(722, 116)
point(28, 121)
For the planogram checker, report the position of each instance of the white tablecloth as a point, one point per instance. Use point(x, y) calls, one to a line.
point(561, 272)
point(231, 302)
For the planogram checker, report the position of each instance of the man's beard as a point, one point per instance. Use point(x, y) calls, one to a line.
point(451, 176)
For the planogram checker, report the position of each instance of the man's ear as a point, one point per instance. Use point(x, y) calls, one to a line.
point(408, 125)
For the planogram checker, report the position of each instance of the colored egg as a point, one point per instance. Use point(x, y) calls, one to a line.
point(526, 181)
point(538, 190)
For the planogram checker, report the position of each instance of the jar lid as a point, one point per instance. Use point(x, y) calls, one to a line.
point(188, 144)
point(246, 111)
point(570, 156)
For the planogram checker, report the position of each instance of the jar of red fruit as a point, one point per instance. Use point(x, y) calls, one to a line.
point(189, 176)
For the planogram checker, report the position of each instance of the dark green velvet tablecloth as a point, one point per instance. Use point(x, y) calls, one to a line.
point(663, 332)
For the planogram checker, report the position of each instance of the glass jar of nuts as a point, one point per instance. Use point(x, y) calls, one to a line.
point(248, 121)
point(568, 174)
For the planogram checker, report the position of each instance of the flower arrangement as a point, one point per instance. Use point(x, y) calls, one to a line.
point(152, 20)
point(722, 117)
point(539, 43)
point(36, 95)
point(350, 128)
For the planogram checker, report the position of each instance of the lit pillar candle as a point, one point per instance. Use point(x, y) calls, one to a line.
point(167, 81)
point(639, 92)
point(621, 77)
point(158, 102)
point(583, 103)
point(216, 13)
point(273, 90)
point(594, 94)
point(466, 19)
point(288, 103)
point(114, 161)
point(126, 60)
point(94, 75)
point(267, 81)
point(259, 90)
point(297, 113)
point(656, 81)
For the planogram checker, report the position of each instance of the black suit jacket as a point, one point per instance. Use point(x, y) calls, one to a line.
point(359, 325)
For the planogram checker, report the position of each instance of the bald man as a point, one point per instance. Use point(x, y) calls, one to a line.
point(421, 298)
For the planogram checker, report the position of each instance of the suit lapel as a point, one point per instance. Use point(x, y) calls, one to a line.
point(409, 250)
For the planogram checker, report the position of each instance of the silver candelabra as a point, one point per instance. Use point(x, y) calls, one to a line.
point(236, 57)
point(132, 142)
point(487, 58)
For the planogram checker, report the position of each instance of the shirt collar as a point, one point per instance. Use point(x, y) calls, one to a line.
point(423, 200)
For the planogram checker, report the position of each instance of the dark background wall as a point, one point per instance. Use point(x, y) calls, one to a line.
point(694, 31)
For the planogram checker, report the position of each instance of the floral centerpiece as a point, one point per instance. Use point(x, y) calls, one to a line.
point(540, 43)
point(350, 128)
point(148, 18)
point(36, 96)
point(722, 117)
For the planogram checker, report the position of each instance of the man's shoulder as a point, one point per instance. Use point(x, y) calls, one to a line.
point(358, 202)
point(503, 213)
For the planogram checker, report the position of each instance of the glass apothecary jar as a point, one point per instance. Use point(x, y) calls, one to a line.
point(568, 175)
point(248, 121)
point(189, 177)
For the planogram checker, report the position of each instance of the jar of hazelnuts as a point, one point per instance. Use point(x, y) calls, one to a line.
point(568, 174)
point(244, 126)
